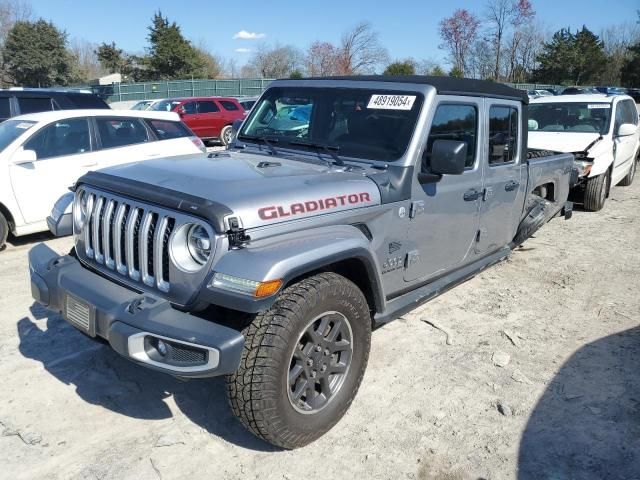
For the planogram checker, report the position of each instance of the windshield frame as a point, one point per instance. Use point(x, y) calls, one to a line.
point(317, 88)
point(583, 104)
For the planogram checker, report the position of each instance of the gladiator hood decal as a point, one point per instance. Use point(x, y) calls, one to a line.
point(242, 186)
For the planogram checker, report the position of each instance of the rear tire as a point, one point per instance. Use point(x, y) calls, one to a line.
point(628, 180)
point(4, 231)
point(596, 192)
point(296, 381)
point(226, 135)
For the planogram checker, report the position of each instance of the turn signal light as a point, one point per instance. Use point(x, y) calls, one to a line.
point(266, 289)
point(245, 286)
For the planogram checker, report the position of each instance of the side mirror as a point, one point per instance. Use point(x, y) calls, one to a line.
point(447, 158)
point(181, 111)
point(626, 129)
point(23, 157)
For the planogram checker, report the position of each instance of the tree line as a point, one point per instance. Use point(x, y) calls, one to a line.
point(503, 42)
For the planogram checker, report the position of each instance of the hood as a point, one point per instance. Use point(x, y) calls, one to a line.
point(259, 189)
point(565, 142)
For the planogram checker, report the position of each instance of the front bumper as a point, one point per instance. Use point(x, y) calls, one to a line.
point(141, 327)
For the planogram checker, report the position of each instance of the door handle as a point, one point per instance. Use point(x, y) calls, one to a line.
point(511, 186)
point(471, 195)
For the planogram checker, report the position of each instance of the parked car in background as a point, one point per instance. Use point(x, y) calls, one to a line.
point(611, 90)
point(247, 102)
point(579, 91)
point(539, 93)
point(602, 133)
point(43, 154)
point(21, 101)
point(210, 118)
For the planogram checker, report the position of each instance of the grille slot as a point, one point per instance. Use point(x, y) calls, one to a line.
point(129, 239)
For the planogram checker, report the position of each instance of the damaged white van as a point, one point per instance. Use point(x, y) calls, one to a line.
point(601, 131)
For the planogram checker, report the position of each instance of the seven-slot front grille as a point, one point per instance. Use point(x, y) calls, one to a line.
point(128, 238)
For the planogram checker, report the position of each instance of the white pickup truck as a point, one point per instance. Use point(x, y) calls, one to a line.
point(43, 154)
point(600, 130)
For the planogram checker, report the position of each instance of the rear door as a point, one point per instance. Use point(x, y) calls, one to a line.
point(504, 190)
point(64, 151)
point(211, 118)
point(174, 138)
point(444, 215)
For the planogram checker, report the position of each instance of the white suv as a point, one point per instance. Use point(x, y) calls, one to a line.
point(43, 154)
point(600, 130)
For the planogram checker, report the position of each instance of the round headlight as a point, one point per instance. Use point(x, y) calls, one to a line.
point(79, 210)
point(199, 244)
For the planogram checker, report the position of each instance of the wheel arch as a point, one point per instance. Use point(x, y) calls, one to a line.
point(7, 214)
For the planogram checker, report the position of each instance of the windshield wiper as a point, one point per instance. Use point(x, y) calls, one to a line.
point(330, 149)
point(267, 141)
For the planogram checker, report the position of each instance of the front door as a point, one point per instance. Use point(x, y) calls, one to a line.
point(64, 153)
point(624, 147)
point(504, 187)
point(445, 214)
point(189, 115)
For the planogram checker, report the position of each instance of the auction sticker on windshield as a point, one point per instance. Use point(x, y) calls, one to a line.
point(392, 102)
point(598, 105)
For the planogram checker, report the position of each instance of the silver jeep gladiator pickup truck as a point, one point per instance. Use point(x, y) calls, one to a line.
point(342, 204)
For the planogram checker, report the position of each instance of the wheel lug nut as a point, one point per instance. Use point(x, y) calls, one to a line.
point(324, 368)
point(327, 352)
point(318, 348)
point(313, 374)
point(310, 362)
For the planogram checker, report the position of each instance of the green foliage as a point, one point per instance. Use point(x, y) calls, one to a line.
point(455, 72)
point(111, 57)
point(170, 54)
point(574, 59)
point(296, 74)
point(406, 67)
point(437, 71)
point(630, 73)
point(36, 55)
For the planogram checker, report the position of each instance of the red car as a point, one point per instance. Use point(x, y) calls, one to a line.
point(210, 118)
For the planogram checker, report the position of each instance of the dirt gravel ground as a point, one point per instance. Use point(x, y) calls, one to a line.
point(539, 378)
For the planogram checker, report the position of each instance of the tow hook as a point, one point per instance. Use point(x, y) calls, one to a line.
point(237, 236)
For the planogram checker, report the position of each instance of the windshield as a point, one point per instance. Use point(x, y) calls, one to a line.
point(570, 117)
point(360, 123)
point(165, 105)
point(12, 129)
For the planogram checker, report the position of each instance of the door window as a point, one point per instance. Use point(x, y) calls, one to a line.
point(189, 108)
point(228, 105)
point(118, 132)
point(631, 113)
point(65, 137)
point(503, 135)
point(165, 130)
point(207, 106)
point(454, 122)
point(34, 105)
point(5, 109)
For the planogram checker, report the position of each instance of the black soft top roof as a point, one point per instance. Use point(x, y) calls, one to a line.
point(444, 85)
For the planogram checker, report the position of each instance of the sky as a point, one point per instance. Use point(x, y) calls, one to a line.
point(406, 28)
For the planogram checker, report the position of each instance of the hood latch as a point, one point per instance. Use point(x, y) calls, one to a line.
point(237, 236)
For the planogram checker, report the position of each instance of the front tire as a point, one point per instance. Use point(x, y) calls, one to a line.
point(4, 231)
point(303, 361)
point(595, 192)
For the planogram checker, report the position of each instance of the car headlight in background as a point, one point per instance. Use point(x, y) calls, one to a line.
point(199, 244)
point(191, 247)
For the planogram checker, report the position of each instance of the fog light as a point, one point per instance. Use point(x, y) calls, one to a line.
point(162, 348)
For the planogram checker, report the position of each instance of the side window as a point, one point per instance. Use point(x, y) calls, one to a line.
point(119, 132)
point(227, 105)
point(65, 137)
point(166, 130)
point(620, 117)
point(207, 107)
point(503, 135)
point(5, 109)
point(34, 105)
point(632, 112)
point(189, 108)
point(454, 122)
